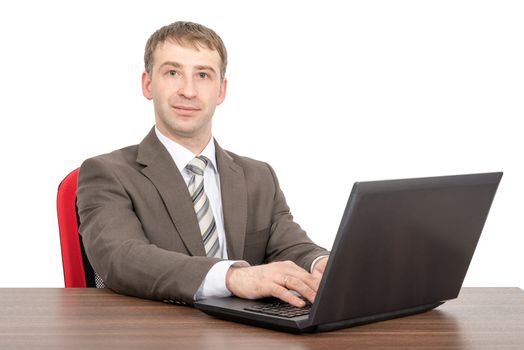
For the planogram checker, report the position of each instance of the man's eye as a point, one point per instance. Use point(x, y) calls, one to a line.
point(203, 75)
point(172, 73)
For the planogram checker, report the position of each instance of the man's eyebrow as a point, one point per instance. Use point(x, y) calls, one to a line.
point(171, 63)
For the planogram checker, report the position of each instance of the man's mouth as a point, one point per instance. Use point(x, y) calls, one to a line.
point(185, 110)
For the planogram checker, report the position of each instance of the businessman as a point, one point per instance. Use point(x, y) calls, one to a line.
point(176, 217)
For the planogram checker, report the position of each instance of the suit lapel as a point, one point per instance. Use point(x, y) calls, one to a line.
point(163, 173)
point(234, 202)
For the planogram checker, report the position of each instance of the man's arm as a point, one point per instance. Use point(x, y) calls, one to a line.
point(118, 247)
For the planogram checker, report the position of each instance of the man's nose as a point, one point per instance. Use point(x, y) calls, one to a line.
point(187, 88)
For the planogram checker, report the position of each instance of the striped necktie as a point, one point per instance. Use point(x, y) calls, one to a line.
point(203, 210)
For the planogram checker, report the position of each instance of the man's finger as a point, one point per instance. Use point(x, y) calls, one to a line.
point(301, 288)
point(284, 294)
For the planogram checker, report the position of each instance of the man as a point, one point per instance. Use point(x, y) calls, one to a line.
point(177, 218)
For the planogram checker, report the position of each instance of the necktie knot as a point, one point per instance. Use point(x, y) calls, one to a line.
point(197, 165)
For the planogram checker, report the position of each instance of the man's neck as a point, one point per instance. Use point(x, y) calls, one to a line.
point(194, 144)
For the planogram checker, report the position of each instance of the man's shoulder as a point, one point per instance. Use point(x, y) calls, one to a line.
point(247, 162)
point(118, 159)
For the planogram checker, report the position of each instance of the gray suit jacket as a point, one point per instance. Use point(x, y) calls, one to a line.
point(140, 230)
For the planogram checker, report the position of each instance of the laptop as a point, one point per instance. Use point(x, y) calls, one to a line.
point(403, 247)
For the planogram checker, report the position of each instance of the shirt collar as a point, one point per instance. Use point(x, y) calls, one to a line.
point(182, 156)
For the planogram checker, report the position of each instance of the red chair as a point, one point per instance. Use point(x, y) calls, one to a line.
point(78, 272)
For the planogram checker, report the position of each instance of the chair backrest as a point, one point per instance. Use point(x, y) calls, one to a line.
point(78, 273)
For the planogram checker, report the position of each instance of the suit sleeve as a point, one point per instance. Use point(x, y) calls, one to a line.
point(118, 248)
point(288, 241)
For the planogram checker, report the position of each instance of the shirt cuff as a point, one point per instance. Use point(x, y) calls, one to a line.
point(315, 261)
point(214, 285)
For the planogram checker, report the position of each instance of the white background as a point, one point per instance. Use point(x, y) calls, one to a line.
point(324, 91)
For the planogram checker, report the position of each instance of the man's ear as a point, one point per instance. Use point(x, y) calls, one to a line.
point(146, 86)
point(223, 89)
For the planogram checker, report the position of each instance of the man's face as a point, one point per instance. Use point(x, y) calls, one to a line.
point(185, 87)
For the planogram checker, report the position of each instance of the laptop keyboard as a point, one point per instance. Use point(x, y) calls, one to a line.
point(281, 308)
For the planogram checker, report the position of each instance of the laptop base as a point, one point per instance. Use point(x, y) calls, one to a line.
point(225, 308)
point(377, 318)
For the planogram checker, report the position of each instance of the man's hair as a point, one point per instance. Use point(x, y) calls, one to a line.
point(186, 33)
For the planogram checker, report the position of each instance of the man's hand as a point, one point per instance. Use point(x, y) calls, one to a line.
point(320, 266)
point(275, 279)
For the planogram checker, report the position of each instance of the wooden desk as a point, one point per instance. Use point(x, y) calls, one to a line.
point(481, 318)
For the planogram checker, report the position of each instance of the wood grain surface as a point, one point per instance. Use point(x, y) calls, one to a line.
point(481, 318)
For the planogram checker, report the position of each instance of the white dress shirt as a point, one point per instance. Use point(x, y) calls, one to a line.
point(214, 285)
